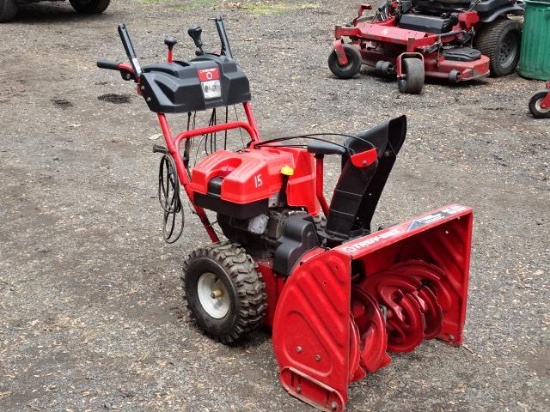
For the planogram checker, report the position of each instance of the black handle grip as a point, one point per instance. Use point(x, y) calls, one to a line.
point(108, 64)
point(226, 49)
point(130, 52)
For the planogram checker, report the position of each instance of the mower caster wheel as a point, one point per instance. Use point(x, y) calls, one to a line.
point(225, 294)
point(413, 80)
point(385, 68)
point(534, 105)
point(500, 41)
point(349, 70)
point(454, 76)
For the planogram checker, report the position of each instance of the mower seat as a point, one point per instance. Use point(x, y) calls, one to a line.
point(483, 7)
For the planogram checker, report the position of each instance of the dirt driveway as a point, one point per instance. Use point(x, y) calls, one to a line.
point(91, 314)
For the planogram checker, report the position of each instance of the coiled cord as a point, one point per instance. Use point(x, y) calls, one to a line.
point(169, 199)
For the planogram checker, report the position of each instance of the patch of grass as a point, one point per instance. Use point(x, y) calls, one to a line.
point(276, 7)
point(187, 5)
point(255, 7)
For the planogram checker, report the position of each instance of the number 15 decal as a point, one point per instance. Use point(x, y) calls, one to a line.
point(258, 180)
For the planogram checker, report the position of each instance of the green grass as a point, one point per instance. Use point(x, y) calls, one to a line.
point(184, 5)
point(256, 7)
point(275, 7)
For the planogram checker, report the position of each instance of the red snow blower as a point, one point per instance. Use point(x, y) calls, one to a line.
point(338, 294)
point(457, 40)
point(539, 104)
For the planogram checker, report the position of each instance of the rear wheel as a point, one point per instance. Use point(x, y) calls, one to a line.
point(501, 42)
point(413, 80)
point(90, 6)
point(535, 105)
point(225, 294)
point(8, 10)
point(348, 70)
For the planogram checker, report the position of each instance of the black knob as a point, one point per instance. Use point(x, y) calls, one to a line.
point(195, 32)
point(170, 42)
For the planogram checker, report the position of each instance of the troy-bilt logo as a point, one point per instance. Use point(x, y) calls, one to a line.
point(206, 75)
point(210, 82)
point(371, 240)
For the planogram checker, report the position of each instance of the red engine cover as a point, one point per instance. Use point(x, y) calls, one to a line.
point(255, 174)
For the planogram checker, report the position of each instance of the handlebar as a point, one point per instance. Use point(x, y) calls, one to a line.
point(130, 52)
point(125, 70)
point(108, 64)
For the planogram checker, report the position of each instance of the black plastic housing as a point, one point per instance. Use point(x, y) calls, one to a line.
point(176, 87)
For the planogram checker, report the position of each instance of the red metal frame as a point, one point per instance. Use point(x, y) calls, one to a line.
point(545, 103)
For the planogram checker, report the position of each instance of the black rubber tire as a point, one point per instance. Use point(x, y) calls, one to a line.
point(534, 105)
point(501, 42)
point(413, 70)
point(90, 6)
point(236, 272)
point(8, 10)
point(349, 70)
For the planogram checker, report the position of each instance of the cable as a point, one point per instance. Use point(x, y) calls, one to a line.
point(169, 199)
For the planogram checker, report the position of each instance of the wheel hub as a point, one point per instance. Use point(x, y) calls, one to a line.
point(213, 295)
point(508, 50)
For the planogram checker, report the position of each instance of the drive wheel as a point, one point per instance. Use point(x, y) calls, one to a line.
point(8, 10)
point(535, 107)
point(413, 70)
point(224, 292)
point(349, 70)
point(90, 6)
point(500, 42)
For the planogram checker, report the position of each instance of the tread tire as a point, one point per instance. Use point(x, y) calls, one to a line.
point(501, 42)
point(244, 285)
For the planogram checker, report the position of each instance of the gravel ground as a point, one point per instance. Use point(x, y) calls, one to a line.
point(91, 314)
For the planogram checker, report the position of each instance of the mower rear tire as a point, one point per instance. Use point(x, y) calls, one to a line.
point(500, 41)
point(349, 70)
point(8, 10)
point(413, 81)
point(534, 105)
point(90, 6)
point(225, 294)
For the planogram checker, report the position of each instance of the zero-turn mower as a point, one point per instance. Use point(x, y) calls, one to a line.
point(456, 40)
point(338, 294)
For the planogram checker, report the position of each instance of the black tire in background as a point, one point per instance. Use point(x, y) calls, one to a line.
point(90, 6)
point(224, 292)
point(8, 10)
point(349, 70)
point(501, 42)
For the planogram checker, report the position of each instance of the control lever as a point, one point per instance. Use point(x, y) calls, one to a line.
point(195, 32)
point(226, 50)
point(130, 52)
point(170, 42)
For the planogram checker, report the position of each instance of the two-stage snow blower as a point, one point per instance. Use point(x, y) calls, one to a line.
point(338, 294)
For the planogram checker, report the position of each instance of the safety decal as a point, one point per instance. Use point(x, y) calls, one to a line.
point(434, 217)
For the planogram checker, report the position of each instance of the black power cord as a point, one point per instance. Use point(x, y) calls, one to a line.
point(169, 199)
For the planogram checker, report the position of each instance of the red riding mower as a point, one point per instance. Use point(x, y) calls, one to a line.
point(457, 40)
point(539, 105)
point(337, 294)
